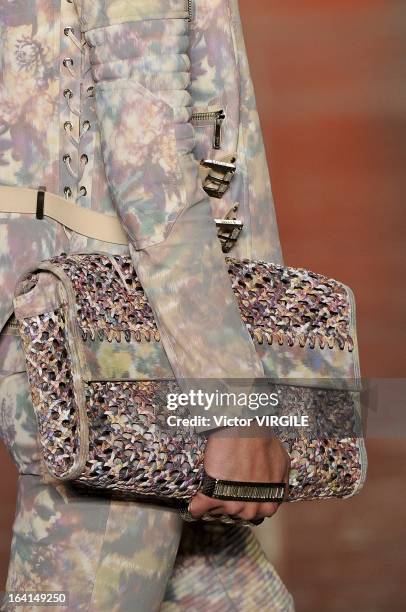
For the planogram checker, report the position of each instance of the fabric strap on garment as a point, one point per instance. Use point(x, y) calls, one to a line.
point(90, 223)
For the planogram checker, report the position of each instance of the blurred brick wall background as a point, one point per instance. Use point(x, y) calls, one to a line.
point(330, 81)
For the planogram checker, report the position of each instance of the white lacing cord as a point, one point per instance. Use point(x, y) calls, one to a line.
point(68, 94)
point(83, 161)
point(68, 127)
point(68, 63)
point(69, 31)
point(83, 158)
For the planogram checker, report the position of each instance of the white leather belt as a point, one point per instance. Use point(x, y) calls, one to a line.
point(40, 203)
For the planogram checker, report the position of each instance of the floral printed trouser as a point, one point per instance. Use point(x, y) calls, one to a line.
point(119, 556)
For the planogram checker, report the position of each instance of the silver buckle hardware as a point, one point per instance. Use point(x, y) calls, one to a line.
point(229, 229)
point(242, 491)
point(218, 179)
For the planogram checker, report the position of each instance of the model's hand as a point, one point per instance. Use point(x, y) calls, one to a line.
point(247, 459)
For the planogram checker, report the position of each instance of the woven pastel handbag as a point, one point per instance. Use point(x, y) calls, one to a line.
point(99, 378)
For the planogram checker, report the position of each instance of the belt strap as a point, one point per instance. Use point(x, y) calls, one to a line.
point(90, 223)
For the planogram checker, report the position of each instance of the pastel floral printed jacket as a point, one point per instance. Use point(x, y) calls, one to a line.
point(132, 108)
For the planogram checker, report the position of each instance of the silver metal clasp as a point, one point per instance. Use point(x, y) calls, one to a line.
point(229, 229)
point(217, 180)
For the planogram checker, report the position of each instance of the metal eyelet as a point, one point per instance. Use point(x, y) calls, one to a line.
point(67, 191)
point(86, 124)
point(84, 157)
point(68, 93)
point(67, 60)
point(68, 125)
point(83, 190)
point(66, 157)
point(90, 89)
point(67, 30)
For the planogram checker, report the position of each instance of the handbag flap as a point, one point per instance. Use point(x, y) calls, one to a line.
point(302, 323)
